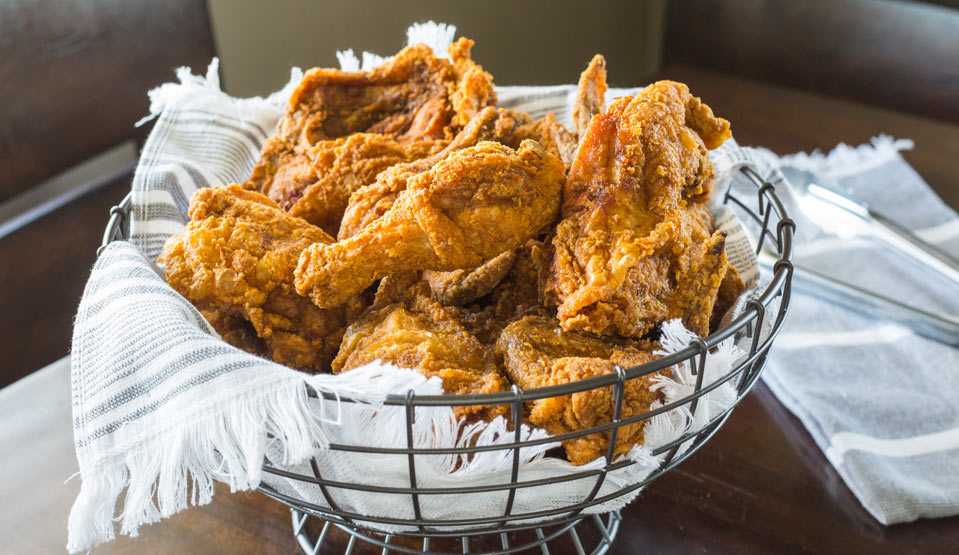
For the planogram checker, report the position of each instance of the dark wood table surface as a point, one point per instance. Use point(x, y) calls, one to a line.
point(759, 485)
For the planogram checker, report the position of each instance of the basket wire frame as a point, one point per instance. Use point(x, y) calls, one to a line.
point(776, 234)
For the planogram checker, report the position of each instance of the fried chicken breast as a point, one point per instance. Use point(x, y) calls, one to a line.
point(632, 248)
point(412, 100)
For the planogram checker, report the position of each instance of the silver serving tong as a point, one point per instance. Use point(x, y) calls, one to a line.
point(833, 208)
point(855, 216)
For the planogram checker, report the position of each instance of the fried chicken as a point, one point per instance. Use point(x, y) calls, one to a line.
point(413, 98)
point(371, 202)
point(344, 165)
point(234, 261)
point(467, 209)
point(590, 95)
point(555, 138)
point(407, 329)
point(516, 296)
point(633, 248)
point(536, 352)
point(459, 287)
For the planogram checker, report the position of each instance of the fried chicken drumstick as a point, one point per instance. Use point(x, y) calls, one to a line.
point(465, 210)
point(234, 261)
point(536, 352)
point(634, 246)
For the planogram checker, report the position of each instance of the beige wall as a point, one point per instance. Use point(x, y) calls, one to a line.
point(519, 42)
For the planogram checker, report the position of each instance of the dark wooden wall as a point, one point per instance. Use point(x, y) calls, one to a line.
point(73, 81)
point(74, 76)
point(901, 55)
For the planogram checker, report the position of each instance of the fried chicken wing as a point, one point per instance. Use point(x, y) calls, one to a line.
point(515, 297)
point(555, 138)
point(632, 248)
point(234, 261)
point(465, 210)
point(537, 352)
point(459, 287)
point(590, 95)
point(371, 202)
point(414, 98)
point(414, 332)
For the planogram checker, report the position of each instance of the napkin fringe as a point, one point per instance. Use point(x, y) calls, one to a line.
point(846, 160)
point(176, 468)
point(438, 36)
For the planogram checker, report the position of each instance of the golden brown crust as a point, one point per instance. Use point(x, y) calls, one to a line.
point(424, 336)
point(537, 352)
point(235, 262)
point(413, 100)
point(465, 210)
point(459, 287)
point(371, 202)
point(555, 138)
point(631, 250)
point(590, 95)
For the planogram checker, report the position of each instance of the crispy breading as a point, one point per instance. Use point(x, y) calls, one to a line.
point(555, 138)
point(630, 250)
point(234, 261)
point(536, 352)
point(467, 209)
point(590, 95)
point(415, 101)
point(458, 287)
point(407, 329)
point(372, 201)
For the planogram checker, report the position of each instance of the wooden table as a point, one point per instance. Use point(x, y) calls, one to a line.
point(759, 485)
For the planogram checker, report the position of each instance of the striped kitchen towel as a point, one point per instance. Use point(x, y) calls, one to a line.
point(879, 400)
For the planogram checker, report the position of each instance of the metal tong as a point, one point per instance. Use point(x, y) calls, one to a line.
point(849, 213)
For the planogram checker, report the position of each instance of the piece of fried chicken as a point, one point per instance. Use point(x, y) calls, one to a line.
point(514, 297)
point(410, 102)
point(536, 352)
point(466, 209)
point(404, 327)
point(234, 261)
point(372, 201)
point(634, 246)
point(590, 97)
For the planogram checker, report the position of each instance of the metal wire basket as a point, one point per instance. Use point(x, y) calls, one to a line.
point(511, 532)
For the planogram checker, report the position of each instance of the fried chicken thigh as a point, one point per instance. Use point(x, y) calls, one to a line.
point(468, 208)
point(407, 329)
point(234, 261)
point(634, 247)
point(536, 352)
point(410, 101)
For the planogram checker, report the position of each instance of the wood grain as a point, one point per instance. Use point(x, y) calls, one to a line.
point(74, 76)
point(893, 54)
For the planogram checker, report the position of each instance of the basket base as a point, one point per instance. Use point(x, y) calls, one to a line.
point(592, 534)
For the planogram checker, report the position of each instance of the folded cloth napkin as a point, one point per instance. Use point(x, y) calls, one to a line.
point(162, 406)
point(880, 401)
